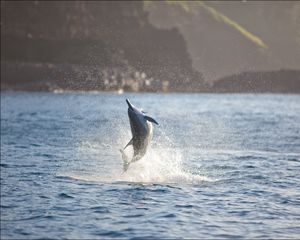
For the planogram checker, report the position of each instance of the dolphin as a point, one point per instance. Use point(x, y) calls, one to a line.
point(142, 131)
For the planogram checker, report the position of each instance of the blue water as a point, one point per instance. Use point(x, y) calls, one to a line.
point(220, 166)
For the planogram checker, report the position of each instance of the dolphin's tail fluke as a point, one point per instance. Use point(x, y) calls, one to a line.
point(126, 163)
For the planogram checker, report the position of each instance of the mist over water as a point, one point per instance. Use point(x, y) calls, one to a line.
point(218, 166)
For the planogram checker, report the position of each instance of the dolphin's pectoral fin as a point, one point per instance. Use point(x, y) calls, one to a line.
point(150, 119)
point(130, 143)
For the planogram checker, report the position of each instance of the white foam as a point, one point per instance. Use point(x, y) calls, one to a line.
point(161, 164)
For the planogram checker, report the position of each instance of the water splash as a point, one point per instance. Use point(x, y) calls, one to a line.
point(160, 165)
point(99, 162)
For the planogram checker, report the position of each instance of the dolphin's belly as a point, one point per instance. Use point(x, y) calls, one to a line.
point(141, 129)
point(141, 142)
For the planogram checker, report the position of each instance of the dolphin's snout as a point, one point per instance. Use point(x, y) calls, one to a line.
point(128, 103)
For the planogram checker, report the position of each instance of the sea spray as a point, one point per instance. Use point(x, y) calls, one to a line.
point(97, 157)
point(161, 164)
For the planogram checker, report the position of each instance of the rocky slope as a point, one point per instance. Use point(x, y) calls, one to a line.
point(158, 46)
point(90, 45)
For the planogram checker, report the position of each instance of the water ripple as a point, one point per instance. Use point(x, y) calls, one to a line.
point(228, 170)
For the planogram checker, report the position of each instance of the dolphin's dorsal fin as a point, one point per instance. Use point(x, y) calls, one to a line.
point(130, 143)
point(150, 119)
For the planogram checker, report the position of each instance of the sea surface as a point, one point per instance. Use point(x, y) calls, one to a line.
point(220, 166)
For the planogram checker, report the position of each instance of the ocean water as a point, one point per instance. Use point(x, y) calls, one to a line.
point(220, 166)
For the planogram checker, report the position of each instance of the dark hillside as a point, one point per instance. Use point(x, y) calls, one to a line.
point(112, 42)
point(283, 81)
